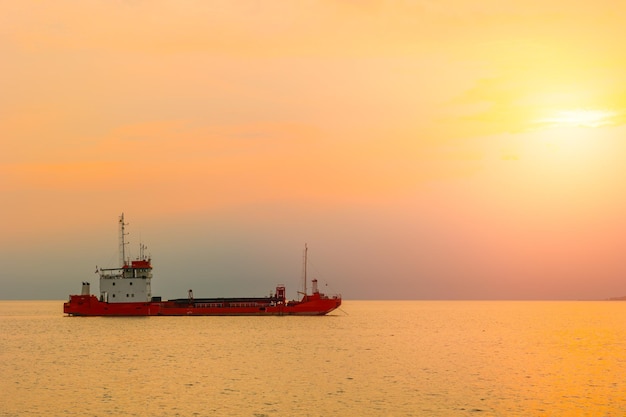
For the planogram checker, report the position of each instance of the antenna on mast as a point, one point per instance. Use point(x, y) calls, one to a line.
point(122, 242)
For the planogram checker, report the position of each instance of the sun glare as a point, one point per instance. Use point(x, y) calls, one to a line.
point(579, 118)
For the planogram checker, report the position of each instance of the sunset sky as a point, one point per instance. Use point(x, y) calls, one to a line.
point(448, 149)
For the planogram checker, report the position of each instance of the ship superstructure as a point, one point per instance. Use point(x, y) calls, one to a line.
point(131, 281)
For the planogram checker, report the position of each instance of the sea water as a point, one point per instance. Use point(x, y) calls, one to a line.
point(370, 358)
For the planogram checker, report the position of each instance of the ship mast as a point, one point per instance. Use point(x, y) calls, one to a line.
point(304, 268)
point(122, 241)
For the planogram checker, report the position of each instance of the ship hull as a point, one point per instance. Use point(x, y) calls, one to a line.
point(89, 305)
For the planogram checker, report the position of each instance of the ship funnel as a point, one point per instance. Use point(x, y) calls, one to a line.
point(85, 290)
point(315, 290)
point(280, 293)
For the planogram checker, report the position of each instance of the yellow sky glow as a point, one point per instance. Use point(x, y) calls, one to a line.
point(580, 118)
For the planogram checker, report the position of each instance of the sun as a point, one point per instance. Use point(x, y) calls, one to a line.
point(579, 118)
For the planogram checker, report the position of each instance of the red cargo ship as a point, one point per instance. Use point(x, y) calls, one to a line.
point(126, 291)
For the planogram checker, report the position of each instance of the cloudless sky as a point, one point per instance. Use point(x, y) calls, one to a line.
point(449, 149)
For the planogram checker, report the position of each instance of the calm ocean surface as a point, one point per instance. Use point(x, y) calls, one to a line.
point(373, 358)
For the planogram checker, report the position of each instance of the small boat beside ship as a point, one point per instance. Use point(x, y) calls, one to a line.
point(126, 291)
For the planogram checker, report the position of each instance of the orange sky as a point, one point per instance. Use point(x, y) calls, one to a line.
point(449, 149)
